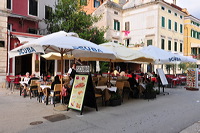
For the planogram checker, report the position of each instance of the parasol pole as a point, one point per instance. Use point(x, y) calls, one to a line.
point(109, 85)
point(61, 71)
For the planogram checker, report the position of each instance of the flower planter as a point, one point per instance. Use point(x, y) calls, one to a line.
point(150, 95)
point(115, 102)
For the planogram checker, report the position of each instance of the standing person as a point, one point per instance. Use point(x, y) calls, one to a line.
point(72, 71)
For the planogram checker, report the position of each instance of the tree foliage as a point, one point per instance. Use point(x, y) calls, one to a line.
point(185, 66)
point(70, 17)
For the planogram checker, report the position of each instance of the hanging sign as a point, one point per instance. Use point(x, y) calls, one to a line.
point(82, 69)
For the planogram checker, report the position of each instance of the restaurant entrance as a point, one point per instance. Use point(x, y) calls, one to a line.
point(23, 64)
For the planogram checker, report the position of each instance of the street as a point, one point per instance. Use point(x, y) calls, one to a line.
point(166, 114)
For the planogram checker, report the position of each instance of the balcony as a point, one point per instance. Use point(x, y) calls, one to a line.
point(196, 56)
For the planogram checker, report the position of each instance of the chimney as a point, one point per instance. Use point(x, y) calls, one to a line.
point(174, 2)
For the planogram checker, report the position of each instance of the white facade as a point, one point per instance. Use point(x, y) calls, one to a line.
point(144, 19)
point(41, 6)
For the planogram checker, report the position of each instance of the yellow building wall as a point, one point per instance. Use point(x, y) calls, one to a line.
point(188, 40)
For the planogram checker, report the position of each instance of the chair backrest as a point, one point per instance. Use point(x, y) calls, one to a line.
point(120, 85)
point(57, 87)
point(101, 82)
point(126, 84)
point(39, 88)
point(34, 83)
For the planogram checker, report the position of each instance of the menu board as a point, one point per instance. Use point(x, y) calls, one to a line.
point(192, 78)
point(162, 76)
point(78, 92)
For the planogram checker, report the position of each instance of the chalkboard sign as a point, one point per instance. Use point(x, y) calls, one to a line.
point(162, 76)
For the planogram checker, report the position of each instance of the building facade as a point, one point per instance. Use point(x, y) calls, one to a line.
point(141, 23)
point(192, 37)
point(3, 40)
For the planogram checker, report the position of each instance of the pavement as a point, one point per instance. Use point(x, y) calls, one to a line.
point(177, 112)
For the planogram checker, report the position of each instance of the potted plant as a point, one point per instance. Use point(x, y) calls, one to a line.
point(149, 93)
point(115, 99)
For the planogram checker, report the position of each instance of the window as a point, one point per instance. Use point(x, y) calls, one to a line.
point(116, 25)
point(33, 7)
point(163, 8)
point(127, 42)
point(116, 13)
point(2, 43)
point(181, 16)
point(127, 26)
point(48, 11)
point(169, 24)
point(181, 28)
point(175, 26)
point(149, 42)
point(9, 27)
point(181, 47)
point(194, 51)
point(9, 4)
point(96, 3)
point(175, 14)
point(175, 46)
point(163, 21)
point(32, 31)
point(169, 45)
point(83, 2)
point(162, 43)
point(169, 11)
point(115, 41)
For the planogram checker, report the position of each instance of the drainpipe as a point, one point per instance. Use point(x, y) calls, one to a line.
point(8, 49)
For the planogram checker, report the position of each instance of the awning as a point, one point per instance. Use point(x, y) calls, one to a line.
point(24, 40)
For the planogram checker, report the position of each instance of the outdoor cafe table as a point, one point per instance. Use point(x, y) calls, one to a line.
point(106, 90)
point(105, 87)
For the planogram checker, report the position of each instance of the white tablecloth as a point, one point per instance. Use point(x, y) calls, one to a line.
point(23, 82)
point(45, 86)
point(105, 87)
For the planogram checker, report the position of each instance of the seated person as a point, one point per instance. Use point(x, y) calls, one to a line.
point(56, 81)
point(122, 73)
point(33, 77)
point(45, 80)
point(134, 85)
point(25, 84)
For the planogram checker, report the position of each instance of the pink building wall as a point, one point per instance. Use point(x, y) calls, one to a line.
point(20, 7)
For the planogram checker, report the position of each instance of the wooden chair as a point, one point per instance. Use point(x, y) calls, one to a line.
point(33, 88)
point(120, 87)
point(98, 93)
point(40, 93)
point(102, 82)
point(56, 93)
point(127, 87)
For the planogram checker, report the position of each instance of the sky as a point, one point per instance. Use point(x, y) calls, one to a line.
point(191, 5)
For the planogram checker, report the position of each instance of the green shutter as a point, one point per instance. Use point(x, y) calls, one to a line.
point(115, 25)
point(181, 47)
point(175, 26)
point(163, 21)
point(118, 26)
point(169, 24)
point(181, 28)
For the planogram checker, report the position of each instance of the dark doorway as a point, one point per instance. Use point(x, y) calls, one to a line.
point(23, 64)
